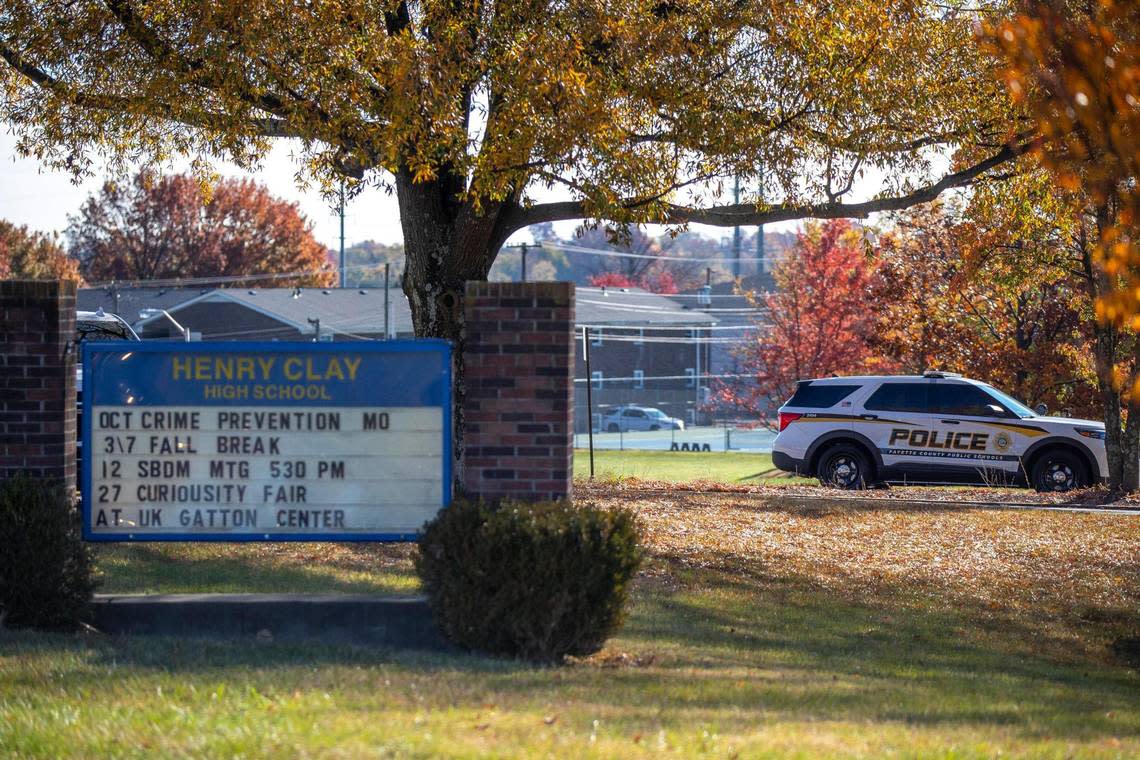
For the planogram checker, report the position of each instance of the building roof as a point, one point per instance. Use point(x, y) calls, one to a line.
point(634, 307)
point(128, 302)
point(352, 311)
point(360, 311)
point(728, 303)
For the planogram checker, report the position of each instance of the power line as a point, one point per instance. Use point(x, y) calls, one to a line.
point(679, 259)
point(220, 279)
point(629, 293)
point(737, 376)
point(598, 329)
point(675, 341)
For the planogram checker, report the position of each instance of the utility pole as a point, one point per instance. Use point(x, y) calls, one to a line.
point(387, 308)
point(736, 233)
point(589, 397)
point(342, 278)
point(522, 276)
point(762, 264)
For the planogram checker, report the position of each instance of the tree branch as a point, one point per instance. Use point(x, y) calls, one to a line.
point(739, 215)
point(162, 52)
point(261, 127)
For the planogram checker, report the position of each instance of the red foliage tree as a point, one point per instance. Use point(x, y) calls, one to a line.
point(32, 255)
point(612, 280)
point(655, 281)
point(159, 227)
point(818, 320)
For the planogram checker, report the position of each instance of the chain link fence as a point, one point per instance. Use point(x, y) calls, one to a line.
point(637, 391)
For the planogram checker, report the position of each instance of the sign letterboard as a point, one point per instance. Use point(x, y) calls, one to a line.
point(265, 441)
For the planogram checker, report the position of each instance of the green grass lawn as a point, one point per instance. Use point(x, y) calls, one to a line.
point(680, 466)
point(753, 632)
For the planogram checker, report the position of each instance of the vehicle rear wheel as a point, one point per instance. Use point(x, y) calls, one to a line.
point(1059, 471)
point(654, 427)
point(844, 466)
point(612, 428)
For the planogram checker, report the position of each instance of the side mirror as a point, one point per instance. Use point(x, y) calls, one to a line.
point(1041, 409)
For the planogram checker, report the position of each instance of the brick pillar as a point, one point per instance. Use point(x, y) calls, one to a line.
point(37, 380)
point(519, 408)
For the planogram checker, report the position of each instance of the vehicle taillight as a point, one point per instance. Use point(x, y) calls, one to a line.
point(787, 418)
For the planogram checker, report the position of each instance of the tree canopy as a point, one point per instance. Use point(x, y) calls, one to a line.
point(633, 110)
point(1076, 65)
point(32, 255)
point(164, 228)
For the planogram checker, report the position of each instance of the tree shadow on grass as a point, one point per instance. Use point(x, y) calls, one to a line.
point(892, 662)
point(737, 649)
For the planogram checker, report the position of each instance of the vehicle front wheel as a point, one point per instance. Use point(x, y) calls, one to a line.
point(844, 466)
point(1059, 471)
point(654, 427)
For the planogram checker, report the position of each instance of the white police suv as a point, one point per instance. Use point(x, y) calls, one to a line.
point(852, 432)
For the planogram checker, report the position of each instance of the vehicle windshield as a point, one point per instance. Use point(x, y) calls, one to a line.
point(1012, 404)
point(100, 331)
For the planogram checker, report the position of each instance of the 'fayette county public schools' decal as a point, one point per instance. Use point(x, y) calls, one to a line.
point(955, 444)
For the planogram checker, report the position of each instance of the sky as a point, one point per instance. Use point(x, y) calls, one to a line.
point(42, 199)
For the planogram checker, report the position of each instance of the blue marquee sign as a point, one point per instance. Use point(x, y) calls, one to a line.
point(265, 441)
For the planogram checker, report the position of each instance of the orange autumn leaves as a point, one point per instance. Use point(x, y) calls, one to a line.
point(1076, 69)
point(934, 291)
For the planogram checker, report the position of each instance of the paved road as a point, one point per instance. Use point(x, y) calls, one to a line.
point(753, 441)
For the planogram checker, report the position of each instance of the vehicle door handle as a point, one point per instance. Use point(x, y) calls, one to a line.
point(950, 422)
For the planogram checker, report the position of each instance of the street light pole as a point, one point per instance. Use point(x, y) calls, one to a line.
point(342, 277)
point(149, 313)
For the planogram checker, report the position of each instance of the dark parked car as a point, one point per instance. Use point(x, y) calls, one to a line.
point(93, 325)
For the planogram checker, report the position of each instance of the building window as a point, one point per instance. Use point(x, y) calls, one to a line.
point(596, 337)
point(638, 379)
point(690, 378)
point(597, 379)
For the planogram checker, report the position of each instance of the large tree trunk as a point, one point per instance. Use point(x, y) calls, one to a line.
point(1121, 437)
point(446, 244)
point(1104, 354)
point(1130, 444)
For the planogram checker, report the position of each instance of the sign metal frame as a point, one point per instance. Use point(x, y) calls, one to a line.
point(439, 350)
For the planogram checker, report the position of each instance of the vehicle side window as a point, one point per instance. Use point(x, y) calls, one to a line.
point(899, 397)
point(964, 400)
point(820, 396)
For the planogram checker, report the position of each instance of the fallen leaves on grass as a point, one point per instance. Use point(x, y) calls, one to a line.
point(612, 659)
point(945, 495)
point(1040, 567)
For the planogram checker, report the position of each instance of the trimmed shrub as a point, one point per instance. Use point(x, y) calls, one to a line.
point(45, 568)
point(537, 581)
